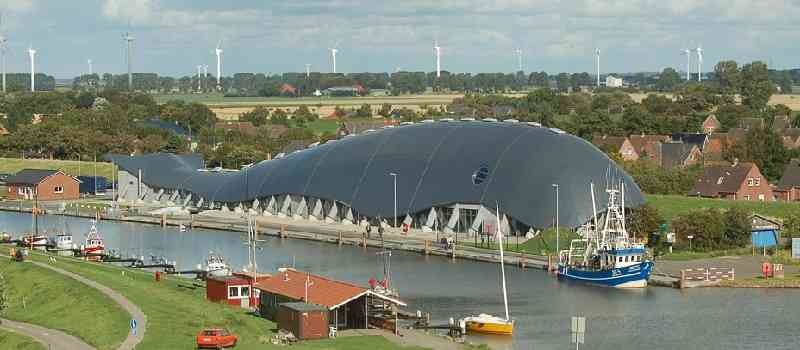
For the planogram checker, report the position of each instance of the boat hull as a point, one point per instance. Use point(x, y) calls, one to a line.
point(634, 276)
point(497, 328)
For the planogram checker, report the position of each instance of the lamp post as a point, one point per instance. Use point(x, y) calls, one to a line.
point(690, 241)
point(394, 178)
point(558, 251)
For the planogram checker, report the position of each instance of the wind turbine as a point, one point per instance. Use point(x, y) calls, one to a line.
point(334, 50)
point(597, 54)
point(308, 70)
point(89, 61)
point(438, 50)
point(128, 37)
point(218, 50)
point(699, 63)
point(199, 77)
point(519, 59)
point(3, 48)
point(688, 54)
point(32, 55)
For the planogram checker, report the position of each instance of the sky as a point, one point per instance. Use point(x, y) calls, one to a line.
point(173, 37)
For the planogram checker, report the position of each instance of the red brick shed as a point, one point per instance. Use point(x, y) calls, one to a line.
point(305, 321)
point(235, 290)
point(47, 185)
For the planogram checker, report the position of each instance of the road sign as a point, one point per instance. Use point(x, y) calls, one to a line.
point(133, 326)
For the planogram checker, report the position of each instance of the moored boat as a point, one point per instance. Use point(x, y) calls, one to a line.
point(485, 323)
point(62, 242)
point(34, 240)
point(93, 247)
point(216, 265)
point(608, 256)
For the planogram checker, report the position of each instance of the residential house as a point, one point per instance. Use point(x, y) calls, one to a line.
point(788, 188)
point(711, 124)
point(288, 90)
point(697, 139)
point(647, 146)
point(44, 185)
point(616, 144)
point(751, 123)
point(717, 143)
point(345, 302)
point(739, 181)
point(613, 82)
point(674, 154)
point(245, 128)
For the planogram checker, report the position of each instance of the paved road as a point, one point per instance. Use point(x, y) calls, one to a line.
point(126, 304)
point(51, 338)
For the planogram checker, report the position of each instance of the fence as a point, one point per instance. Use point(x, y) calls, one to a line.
point(707, 275)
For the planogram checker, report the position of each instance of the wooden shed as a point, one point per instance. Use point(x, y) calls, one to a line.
point(236, 290)
point(304, 320)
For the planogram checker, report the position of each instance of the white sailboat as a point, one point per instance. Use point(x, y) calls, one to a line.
point(488, 324)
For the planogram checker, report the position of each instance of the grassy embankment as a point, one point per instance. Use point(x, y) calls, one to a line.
point(543, 244)
point(11, 340)
point(176, 310)
point(70, 167)
point(671, 206)
point(42, 297)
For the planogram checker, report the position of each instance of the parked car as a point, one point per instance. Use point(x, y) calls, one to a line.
point(216, 338)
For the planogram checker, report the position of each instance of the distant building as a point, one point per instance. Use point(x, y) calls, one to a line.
point(3, 130)
point(717, 143)
point(788, 188)
point(676, 154)
point(245, 128)
point(751, 123)
point(44, 185)
point(340, 91)
point(647, 146)
point(698, 139)
point(288, 90)
point(616, 144)
point(739, 181)
point(613, 82)
point(711, 124)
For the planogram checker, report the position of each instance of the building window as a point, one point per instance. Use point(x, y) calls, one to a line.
point(620, 259)
point(21, 191)
point(747, 197)
point(757, 181)
point(244, 292)
point(750, 182)
point(233, 292)
point(719, 181)
point(761, 197)
point(58, 189)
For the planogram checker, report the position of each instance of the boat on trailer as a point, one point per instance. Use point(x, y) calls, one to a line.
point(607, 256)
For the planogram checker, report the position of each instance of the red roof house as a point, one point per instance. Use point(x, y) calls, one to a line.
point(742, 181)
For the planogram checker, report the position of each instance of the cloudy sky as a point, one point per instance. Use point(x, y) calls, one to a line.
point(172, 37)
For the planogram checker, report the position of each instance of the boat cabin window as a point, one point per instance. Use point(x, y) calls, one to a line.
point(620, 259)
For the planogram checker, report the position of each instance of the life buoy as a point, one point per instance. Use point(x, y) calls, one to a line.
point(405, 227)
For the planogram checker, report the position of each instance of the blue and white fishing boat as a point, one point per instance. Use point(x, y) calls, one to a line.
point(607, 256)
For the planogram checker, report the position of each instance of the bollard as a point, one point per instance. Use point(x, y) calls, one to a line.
point(364, 240)
point(340, 239)
point(454, 251)
point(427, 247)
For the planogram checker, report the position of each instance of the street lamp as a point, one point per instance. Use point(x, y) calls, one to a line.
point(558, 251)
point(690, 241)
point(394, 177)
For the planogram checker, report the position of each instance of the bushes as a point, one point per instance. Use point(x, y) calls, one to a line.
point(654, 179)
point(713, 229)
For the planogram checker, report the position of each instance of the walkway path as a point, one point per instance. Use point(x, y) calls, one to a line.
point(136, 313)
point(51, 338)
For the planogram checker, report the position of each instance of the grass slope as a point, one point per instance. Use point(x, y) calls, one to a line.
point(70, 167)
point(176, 312)
point(59, 302)
point(11, 340)
point(671, 206)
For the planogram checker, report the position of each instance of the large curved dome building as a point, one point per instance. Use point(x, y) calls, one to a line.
point(450, 173)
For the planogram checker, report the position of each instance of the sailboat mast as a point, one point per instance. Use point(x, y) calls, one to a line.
point(502, 263)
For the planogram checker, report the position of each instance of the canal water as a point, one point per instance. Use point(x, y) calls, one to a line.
point(654, 318)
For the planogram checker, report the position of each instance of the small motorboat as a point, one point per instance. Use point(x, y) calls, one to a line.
point(216, 265)
point(34, 240)
point(63, 244)
point(94, 247)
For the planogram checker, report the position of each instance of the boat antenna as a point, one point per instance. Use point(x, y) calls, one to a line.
point(502, 260)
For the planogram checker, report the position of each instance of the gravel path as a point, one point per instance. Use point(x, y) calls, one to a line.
point(51, 338)
point(136, 313)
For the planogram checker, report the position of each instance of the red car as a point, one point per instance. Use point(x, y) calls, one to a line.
point(216, 338)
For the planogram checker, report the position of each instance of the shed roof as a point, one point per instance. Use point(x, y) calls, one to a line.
point(321, 290)
point(31, 176)
point(791, 175)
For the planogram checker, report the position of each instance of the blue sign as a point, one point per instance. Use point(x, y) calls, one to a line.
point(133, 326)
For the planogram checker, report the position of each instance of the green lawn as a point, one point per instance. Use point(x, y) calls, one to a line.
point(320, 126)
point(543, 244)
point(673, 205)
point(11, 340)
point(176, 311)
point(71, 167)
point(55, 301)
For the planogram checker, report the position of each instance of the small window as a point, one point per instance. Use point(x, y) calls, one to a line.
point(245, 291)
point(480, 175)
point(747, 197)
point(761, 197)
point(233, 292)
point(21, 190)
point(58, 189)
point(757, 181)
point(620, 259)
point(719, 181)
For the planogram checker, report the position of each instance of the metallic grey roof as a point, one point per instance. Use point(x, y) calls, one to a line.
point(435, 163)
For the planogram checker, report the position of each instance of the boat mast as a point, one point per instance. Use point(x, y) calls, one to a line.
point(594, 211)
point(502, 262)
